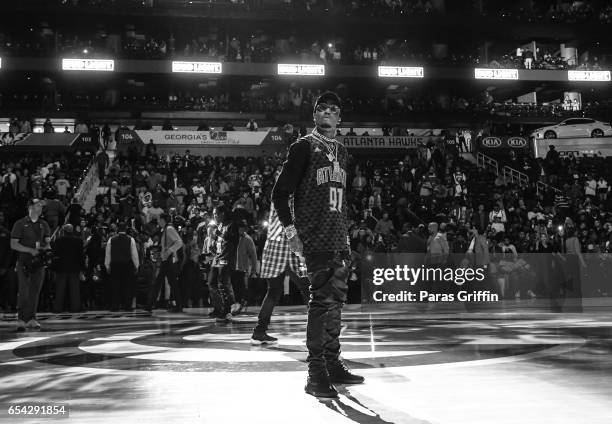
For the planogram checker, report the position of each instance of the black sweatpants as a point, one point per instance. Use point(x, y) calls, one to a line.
point(328, 274)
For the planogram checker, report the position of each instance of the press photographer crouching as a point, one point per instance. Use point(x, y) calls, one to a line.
point(69, 262)
point(30, 237)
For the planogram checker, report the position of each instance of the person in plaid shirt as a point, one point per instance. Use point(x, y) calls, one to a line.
point(277, 259)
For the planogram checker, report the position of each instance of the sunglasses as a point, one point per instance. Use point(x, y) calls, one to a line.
point(322, 107)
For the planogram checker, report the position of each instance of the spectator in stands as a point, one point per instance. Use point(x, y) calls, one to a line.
point(246, 267)
point(437, 246)
point(507, 247)
point(102, 160)
point(26, 127)
point(48, 127)
point(167, 126)
point(528, 58)
point(498, 219)
point(61, 186)
point(590, 187)
point(384, 226)
point(106, 136)
point(359, 182)
point(81, 128)
point(53, 210)
point(172, 254)
point(251, 125)
point(151, 149)
point(602, 189)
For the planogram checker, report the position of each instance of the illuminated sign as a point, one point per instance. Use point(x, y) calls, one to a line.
point(491, 142)
point(296, 69)
point(517, 142)
point(88, 65)
point(496, 74)
point(0, 63)
point(588, 75)
point(400, 72)
point(197, 67)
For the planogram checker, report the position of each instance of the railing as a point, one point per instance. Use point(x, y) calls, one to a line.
point(514, 176)
point(484, 161)
point(87, 184)
point(545, 187)
point(82, 193)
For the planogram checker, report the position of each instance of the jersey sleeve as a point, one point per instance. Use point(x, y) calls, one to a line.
point(289, 178)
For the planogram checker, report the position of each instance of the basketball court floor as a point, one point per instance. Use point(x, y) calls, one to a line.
point(519, 365)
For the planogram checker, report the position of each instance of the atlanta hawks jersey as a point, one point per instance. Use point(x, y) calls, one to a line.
point(320, 200)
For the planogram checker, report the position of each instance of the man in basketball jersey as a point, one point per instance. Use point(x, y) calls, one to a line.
point(315, 174)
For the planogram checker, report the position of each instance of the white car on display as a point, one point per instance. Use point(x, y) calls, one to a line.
point(574, 128)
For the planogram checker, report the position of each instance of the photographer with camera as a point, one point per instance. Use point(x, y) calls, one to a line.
point(30, 237)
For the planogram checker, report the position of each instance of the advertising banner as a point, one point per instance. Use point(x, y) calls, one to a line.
point(385, 142)
point(199, 138)
point(577, 146)
point(45, 142)
point(8, 139)
point(489, 145)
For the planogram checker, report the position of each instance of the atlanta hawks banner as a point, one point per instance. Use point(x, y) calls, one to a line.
point(386, 142)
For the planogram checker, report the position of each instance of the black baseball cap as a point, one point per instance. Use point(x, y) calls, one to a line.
point(329, 97)
point(33, 201)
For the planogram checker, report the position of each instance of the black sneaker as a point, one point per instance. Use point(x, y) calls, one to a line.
point(319, 385)
point(262, 338)
point(214, 314)
point(340, 374)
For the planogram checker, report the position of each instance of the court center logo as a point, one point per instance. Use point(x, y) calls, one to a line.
point(366, 343)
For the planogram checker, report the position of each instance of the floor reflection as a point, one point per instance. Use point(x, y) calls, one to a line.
point(190, 369)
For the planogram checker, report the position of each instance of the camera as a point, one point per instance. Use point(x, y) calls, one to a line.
point(34, 263)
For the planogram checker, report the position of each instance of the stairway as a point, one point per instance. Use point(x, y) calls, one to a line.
point(470, 157)
point(90, 200)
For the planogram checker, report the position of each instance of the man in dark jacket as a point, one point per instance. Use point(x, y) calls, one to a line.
point(102, 160)
point(121, 263)
point(69, 262)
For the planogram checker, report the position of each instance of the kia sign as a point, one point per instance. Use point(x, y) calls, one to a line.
point(197, 67)
point(588, 75)
point(297, 69)
point(501, 146)
point(496, 74)
point(400, 72)
point(491, 142)
point(517, 142)
point(88, 65)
